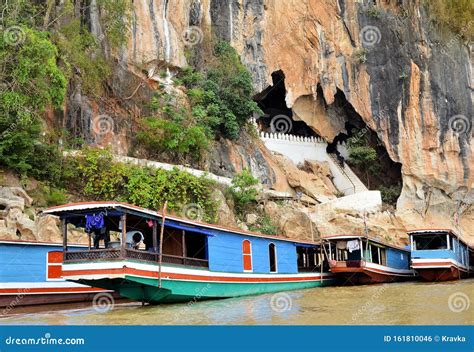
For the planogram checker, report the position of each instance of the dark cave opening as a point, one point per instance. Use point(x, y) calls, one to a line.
point(383, 173)
point(350, 145)
point(273, 104)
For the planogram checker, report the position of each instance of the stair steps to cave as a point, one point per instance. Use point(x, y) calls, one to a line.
point(349, 175)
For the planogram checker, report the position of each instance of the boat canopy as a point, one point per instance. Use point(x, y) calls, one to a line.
point(424, 232)
point(363, 237)
point(116, 208)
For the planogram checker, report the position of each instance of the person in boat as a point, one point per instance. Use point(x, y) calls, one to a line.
point(95, 224)
point(101, 234)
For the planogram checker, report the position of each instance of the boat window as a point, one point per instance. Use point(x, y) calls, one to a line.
point(374, 251)
point(308, 259)
point(430, 242)
point(273, 259)
point(383, 256)
point(247, 255)
point(195, 245)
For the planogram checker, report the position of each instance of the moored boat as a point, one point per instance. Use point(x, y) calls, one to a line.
point(31, 274)
point(163, 258)
point(440, 255)
point(364, 260)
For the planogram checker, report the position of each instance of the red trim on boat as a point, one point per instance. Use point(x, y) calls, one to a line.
point(363, 269)
point(176, 276)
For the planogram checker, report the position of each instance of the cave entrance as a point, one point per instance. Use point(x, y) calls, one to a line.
point(277, 117)
point(365, 153)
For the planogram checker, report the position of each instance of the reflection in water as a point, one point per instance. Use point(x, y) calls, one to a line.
point(399, 303)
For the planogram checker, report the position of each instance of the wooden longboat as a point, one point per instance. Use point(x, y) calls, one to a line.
point(363, 260)
point(31, 274)
point(440, 255)
point(197, 260)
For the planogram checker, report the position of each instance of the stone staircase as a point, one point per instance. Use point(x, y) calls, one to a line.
point(298, 149)
point(356, 184)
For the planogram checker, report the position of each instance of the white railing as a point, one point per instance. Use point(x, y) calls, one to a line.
point(292, 138)
point(299, 148)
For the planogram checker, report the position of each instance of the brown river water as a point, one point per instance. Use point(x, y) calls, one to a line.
point(397, 303)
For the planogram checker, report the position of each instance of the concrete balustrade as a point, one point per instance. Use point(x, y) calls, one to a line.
point(299, 148)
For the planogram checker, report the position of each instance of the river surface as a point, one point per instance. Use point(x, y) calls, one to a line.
point(396, 303)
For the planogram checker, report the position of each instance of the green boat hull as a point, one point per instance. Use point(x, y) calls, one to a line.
point(171, 291)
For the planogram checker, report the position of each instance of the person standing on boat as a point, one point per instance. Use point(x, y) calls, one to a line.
point(95, 224)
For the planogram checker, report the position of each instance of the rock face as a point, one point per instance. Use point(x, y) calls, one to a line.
point(384, 63)
point(18, 220)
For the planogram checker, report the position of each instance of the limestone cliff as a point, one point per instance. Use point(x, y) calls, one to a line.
point(379, 61)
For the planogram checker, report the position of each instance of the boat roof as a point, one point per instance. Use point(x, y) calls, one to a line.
point(372, 239)
point(71, 208)
point(40, 243)
point(429, 231)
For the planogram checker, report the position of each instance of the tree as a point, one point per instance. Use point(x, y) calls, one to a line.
point(243, 190)
point(364, 156)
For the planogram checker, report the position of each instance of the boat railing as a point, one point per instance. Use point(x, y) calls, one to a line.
point(92, 254)
point(115, 254)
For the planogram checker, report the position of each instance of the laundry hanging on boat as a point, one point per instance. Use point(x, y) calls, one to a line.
point(341, 245)
point(353, 246)
point(94, 222)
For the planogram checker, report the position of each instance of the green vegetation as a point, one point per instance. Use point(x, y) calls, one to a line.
point(32, 82)
point(453, 14)
point(360, 56)
point(265, 225)
point(54, 196)
point(115, 17)
point(172, 128)
point(219, 104)
point(39, 54)
point(98, 177)
point(76, 46)
point(243, 190)
point(46, 48)
point(373, 11)
point(391, 193)
point(363, 155)
point(365, 159)
point(221, 96)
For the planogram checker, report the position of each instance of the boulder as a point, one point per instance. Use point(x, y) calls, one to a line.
point(251, 219)
point(292, 221)
point(225, 215)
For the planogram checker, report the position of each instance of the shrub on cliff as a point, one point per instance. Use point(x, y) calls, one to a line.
point(99, 177)
point(221, 94)
point(243, 190)
point(172, 129)
point(31, 82)
point(453, 14)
